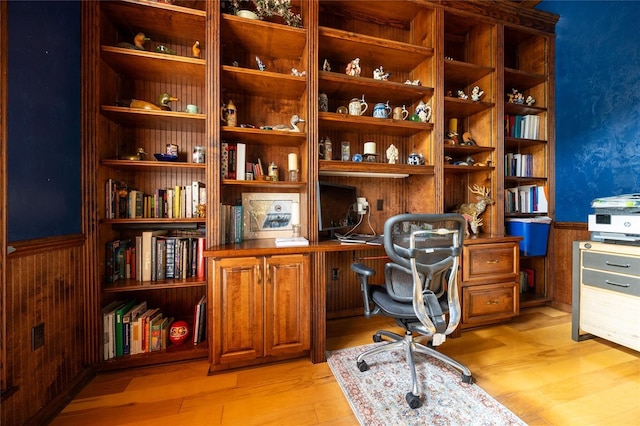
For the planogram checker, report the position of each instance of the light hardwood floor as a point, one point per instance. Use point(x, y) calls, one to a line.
point(530, 365)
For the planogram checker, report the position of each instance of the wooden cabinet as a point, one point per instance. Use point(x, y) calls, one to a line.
point(271, 72)
point(528, 146)
point(262, 309)
point(490, 271)
point(125, 72)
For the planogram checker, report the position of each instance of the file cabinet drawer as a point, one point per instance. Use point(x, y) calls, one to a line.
point(609, 262)
point(484, 304)
point(624, 284)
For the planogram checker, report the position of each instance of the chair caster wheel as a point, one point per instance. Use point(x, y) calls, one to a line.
point(363, 366)
point(413, 401)
point(377, 338)
point(467, 379)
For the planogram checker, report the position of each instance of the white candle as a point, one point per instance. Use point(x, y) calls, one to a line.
point(295, 214)
point(293, 161)
point(369, 148)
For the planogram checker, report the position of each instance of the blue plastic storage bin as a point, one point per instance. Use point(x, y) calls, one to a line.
point(535, 236)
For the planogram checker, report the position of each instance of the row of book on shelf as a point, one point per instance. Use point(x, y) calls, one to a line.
point(132, 327)
point(527, 280)
point(123, 201)
point(522, 126)
point(234, 164)
point(154, 256)
point(526, 199)
point(518, 165)
point(231, 223)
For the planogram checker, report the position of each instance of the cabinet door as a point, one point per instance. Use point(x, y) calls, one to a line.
point(287, 326)
point(237, 309)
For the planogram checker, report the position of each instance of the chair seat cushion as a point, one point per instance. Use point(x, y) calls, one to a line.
point(396, 309)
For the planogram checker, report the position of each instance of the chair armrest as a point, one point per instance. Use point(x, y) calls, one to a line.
point(364, 272)
point(359, 268)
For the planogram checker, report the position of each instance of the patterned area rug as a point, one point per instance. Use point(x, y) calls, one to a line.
point(377, 396)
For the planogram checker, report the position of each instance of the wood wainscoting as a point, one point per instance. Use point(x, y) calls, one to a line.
point(44, 285)
point(560, 277)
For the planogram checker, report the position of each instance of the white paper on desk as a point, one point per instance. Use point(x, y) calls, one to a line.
point(291, 242)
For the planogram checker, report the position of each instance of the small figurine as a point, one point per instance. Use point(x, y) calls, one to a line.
point(195, 49)
point(353, 68)
point(416, 82)
point(515, 97)
point(424, 112)
point(476, 93)
point(138, 42)
point(467, 139)
point(379, 74)
point(392, 154)
point(163, 101)
point(530, 100)
point(292, 127)
point(161, 48)
point(261, 66)
point(462, 95)
point(326, 66)
point(297, 73)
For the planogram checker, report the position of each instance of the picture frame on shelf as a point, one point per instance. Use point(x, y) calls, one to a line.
point(269, 215)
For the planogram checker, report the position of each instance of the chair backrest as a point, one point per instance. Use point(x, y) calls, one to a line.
point(427, 247)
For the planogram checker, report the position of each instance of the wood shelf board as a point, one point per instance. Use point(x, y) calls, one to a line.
point(365, 124)
point(151, 119)
point(372, 168)
point(263, 38)
point(461, 108)
point(159, 21)
point(521, 80)
point(522, 109)
point(450, 168)
point(398, 16)
point(511, 143)
point(463, 74)
point(154, 220)
point(521, 180)
point(142, 65)
point(340, 47)
point(265, 183)
point(146, 165)
point(132, 285)
point(466, 149)
point(264, 137)
point(342, 86)
point(173, 353)
point(262, 83)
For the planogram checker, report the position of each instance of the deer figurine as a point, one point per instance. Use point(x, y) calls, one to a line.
point(472, 211)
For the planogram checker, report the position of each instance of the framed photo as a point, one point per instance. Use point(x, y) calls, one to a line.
point(267, 215)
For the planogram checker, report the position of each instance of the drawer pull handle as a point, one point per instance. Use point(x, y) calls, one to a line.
point(492, 261)
point(618, 284)
point(621, 265)
point(493, 302)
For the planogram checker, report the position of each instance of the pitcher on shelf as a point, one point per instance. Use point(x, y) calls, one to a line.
point(230, 114)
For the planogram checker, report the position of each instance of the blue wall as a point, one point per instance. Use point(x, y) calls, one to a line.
point(44, 193)
point(597, 103)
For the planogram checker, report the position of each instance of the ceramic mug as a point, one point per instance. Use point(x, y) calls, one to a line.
point(357, 106)
point(381, 110)
point(400, 113)
point(192, 109)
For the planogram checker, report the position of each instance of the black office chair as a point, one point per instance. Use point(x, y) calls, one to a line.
point(420, 289)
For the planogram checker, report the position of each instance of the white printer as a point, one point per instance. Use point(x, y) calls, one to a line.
point(616, 219)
